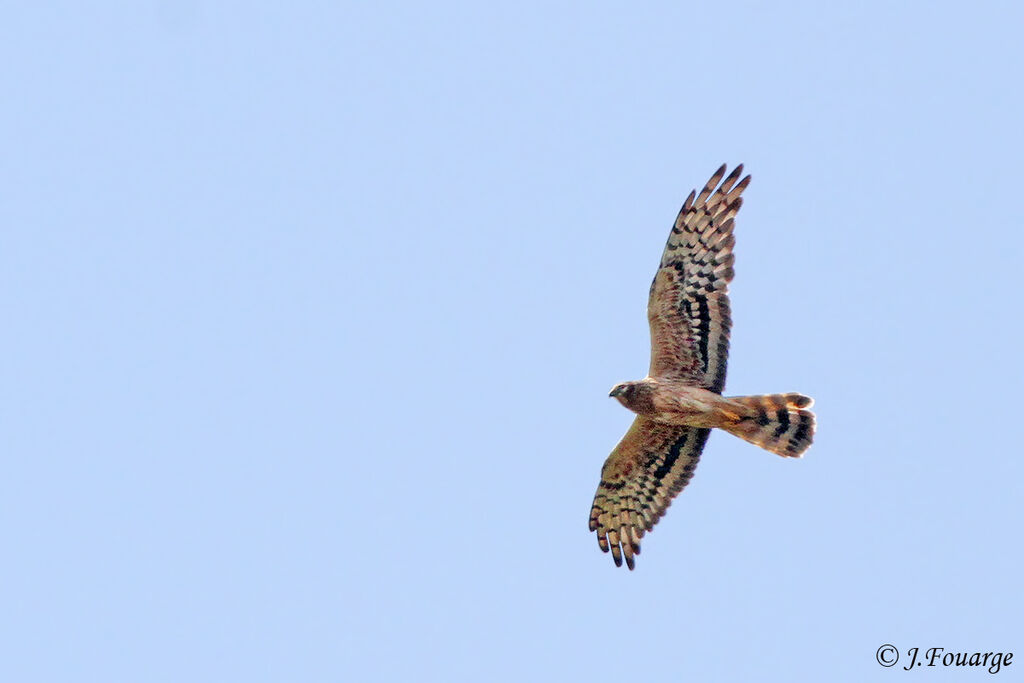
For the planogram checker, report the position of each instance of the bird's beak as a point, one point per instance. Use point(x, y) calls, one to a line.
point(615, 392)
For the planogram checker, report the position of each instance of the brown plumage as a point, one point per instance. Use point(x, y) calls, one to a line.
point(680, 400)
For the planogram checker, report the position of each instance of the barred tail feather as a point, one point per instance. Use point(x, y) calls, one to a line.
point(778, 423)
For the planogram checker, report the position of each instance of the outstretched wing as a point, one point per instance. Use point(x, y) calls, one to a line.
point(652, 463)
point(688, 308)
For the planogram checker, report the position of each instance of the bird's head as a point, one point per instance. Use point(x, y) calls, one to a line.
point(634, 395)
point(620, 390)
point(625, 393)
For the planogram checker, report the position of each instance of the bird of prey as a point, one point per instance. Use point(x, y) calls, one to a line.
point(680, 400)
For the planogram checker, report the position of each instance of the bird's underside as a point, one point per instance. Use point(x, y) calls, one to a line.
point(681, 400)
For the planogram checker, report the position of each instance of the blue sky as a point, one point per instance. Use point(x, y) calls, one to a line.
point(312, 312)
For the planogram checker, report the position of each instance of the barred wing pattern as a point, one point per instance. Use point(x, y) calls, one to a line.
point(649, 467)
point(688, 308)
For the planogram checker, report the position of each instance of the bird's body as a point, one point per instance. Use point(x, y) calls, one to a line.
point(681, 400)
point(674, 402)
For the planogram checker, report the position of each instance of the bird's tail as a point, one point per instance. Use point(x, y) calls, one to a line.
point(778, 422)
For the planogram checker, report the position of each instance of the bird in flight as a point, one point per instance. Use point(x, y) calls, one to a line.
point(680, 400)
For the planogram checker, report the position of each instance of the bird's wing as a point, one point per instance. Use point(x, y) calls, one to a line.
point(688, 308)
point(652, 463)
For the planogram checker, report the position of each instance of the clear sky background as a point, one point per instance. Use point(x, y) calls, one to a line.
point(311, 311)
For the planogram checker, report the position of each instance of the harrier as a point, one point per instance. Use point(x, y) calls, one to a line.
point(680, 400)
